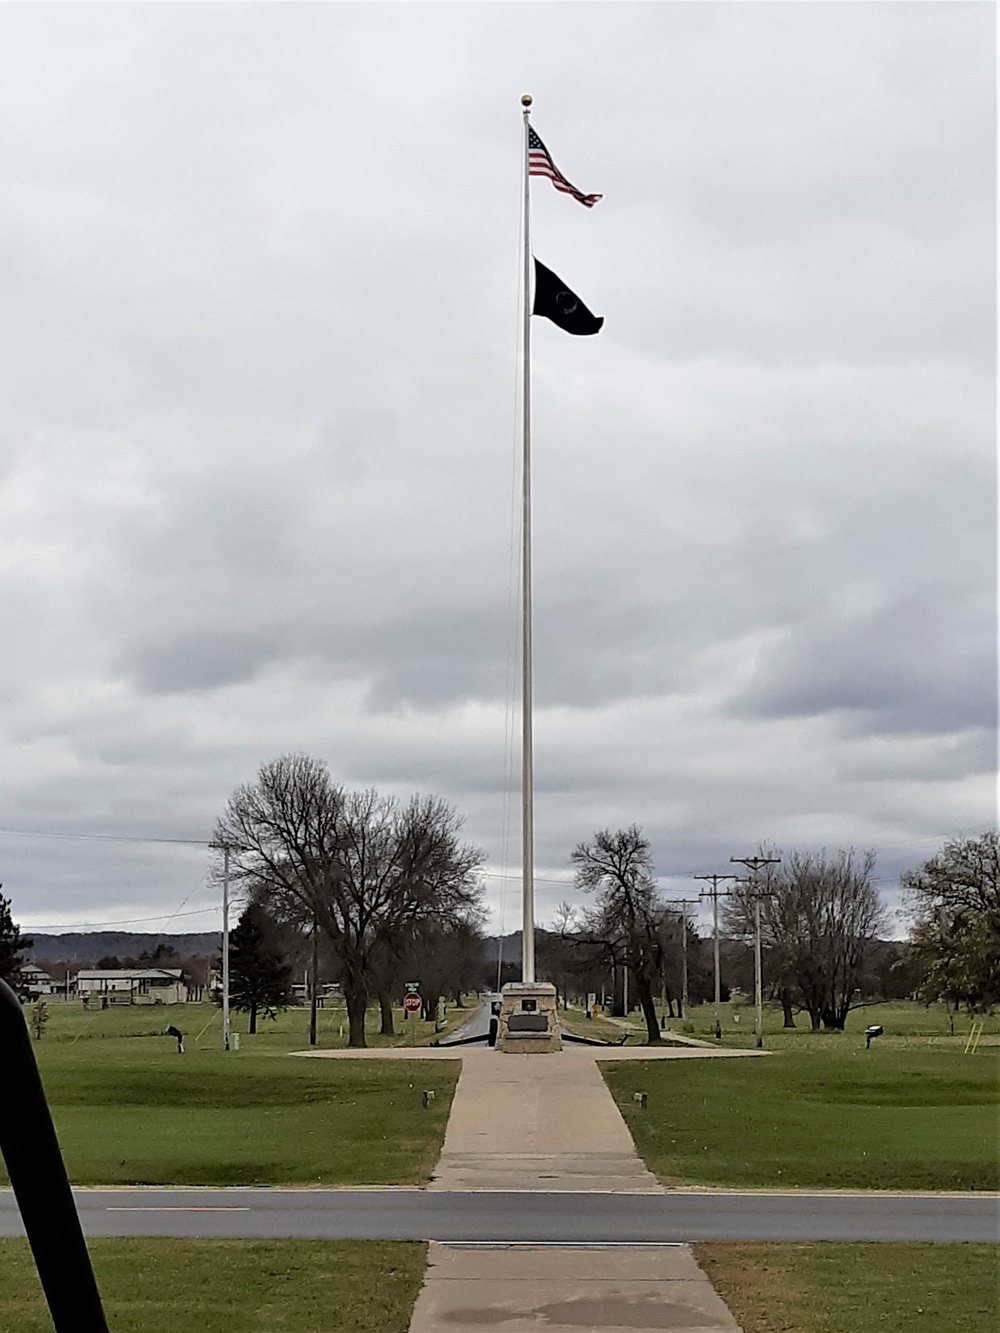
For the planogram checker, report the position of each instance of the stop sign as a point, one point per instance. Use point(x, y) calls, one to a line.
point(411, 1004)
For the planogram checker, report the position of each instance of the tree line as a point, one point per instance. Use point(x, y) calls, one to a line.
point(382, 892)
point(821, 921)
point(820, 918)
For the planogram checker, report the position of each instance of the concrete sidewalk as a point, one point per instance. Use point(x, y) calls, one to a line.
point(567, 1289)
point(603, 1054)
point(547, 1123)
point(537, 1122)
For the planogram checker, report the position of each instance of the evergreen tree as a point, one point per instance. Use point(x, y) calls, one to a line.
point(259, 979)
point(164, 955)
point(12, 945)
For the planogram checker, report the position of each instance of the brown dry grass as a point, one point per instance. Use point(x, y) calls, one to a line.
point(756, 1283)
point(856, 1286)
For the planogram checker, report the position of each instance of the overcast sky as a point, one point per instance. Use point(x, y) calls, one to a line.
point(259, 265)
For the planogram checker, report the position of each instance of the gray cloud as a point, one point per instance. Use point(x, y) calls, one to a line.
point(255, 473)
point(910, 666)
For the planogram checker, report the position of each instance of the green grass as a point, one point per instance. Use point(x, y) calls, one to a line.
point(931, 1024)
point(612, 1030)
point(202, 1025)
point(856, 1288)
point(218, 1286)
point(129, 1110)
point(823, 1116)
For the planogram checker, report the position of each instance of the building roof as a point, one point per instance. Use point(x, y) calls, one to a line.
point(133, 973)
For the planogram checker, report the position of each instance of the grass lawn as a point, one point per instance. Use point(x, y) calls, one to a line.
point(218, 1286)
point(856, 1288)
point(826, 1115)
point(633, 1029)
point(928, 1024)
point(202, 1025)
point(129, 1110)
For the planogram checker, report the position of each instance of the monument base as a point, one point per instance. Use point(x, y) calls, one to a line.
point(529, 1019)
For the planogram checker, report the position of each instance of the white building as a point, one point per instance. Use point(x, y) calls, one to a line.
point(36, 981)
point(131, 985)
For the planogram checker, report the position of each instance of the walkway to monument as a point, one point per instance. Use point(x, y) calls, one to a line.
point(548, 1123)
point(567, 1289)
point(537, 1122)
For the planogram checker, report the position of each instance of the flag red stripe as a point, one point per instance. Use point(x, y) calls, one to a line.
point(541, 164)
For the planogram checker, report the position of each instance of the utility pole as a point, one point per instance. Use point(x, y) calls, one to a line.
point(314, 988)
point(227, 848)
point(225, 946)
point(714, 880)
point(683, 904)
point(755, 864)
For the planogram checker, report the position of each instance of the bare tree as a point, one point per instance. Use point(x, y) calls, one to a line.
point(571, 956)
point(819, 921)
point(361, 867)
point(627, 916)
point(445, 958)
point(671, 929)
point(557, 952)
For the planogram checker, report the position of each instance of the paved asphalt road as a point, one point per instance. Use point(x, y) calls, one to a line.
point(415, 1214)
point(476, 1025)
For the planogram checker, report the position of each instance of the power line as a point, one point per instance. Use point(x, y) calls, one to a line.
point(569, 883)
point(494, 874)
point(133, 921)
point(101, 837)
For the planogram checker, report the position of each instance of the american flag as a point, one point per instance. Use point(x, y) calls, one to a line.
point(540, 164)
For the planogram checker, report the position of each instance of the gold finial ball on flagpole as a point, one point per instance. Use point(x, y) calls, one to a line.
point(526, 99)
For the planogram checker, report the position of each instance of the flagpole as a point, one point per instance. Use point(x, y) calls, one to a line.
point(527, 736)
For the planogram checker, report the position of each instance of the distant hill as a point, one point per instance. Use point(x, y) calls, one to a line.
point(511, 948)
point(86, 948)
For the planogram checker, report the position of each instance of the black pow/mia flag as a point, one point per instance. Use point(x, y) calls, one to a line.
point(555, 301)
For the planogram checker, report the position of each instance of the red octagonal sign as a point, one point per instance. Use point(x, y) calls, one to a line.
point(412, 1004)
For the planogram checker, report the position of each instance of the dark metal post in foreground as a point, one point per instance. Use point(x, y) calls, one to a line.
point(35, 1167)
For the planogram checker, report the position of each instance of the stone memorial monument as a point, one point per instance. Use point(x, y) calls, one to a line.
point(529, 1019)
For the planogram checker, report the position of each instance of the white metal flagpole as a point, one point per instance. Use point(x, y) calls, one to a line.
point(225, 947)
point(527, 737)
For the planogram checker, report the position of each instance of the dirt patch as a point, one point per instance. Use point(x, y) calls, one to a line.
point(756, 1282)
